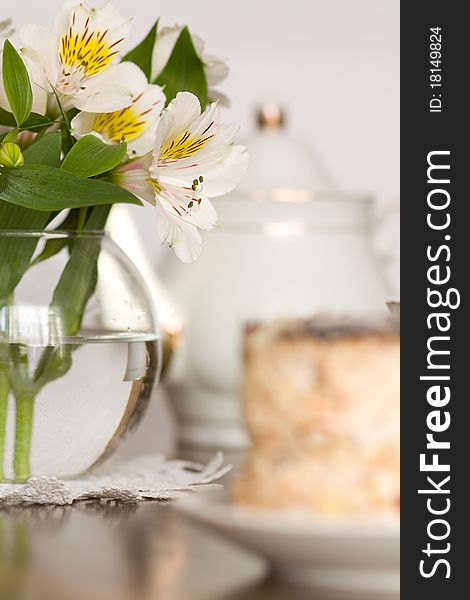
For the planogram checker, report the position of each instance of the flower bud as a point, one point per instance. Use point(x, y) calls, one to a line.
point(10, 155)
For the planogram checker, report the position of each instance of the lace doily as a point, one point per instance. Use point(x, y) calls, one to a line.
point(148, 477)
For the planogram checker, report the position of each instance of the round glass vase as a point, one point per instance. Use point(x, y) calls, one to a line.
point(79, 351)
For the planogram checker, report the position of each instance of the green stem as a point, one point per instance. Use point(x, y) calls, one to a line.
point(82, 217)
point(24, 430)
point(62, 111)
point(4, 389)
point(40, 125)
point(69, 141)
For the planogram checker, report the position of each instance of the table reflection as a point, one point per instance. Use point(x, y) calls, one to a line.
point(93, 551)
point(117, 552)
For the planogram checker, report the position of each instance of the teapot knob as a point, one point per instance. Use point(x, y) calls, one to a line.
point(270, 117)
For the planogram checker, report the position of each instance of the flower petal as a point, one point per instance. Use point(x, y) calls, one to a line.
point(202, 215)
point(83, 123)
point(215, 69)
point(40, 97)
point(142, 144)
point(112, 89)
point(162, 49)
point(147, 109)
point(39, 94)
point(3, 99)
point(205, 124)
point(173, 197)
point(223, 178)
point(188, 249)
point(40, 53)
point(211, 153)
point(89, 41)
point(109, 18)
point(135, 124)
point(215, 151)
point(81, 17)
point(176, 118)
point(134, 177)
point(62, 20)
point(182, 236)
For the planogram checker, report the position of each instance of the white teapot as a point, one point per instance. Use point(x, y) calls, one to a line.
point(280, 250)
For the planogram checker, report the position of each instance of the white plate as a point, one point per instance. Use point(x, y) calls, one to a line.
point(357, 559)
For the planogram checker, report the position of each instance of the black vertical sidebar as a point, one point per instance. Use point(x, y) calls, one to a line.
point(435, 232)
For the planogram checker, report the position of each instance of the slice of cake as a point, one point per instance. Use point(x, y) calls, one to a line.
point(321, 403)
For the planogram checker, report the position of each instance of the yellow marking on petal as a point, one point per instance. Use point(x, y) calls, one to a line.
point(125, 124)
point(89, 51)
point(154, 183)
point(184, 146)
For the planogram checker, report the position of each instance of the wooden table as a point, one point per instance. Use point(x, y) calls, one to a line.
point(123, 552)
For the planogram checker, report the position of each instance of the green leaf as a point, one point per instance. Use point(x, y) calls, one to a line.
point(184, 71)
point(10, 136)
point(75, 287)
point(78, 280)
point(45, 188)
point(16, 83)
point(54, 363)
point(54, 245)
point(46, 151)
point(34, 121)
point(16, 252)
point(90, 156)
point(141, 55)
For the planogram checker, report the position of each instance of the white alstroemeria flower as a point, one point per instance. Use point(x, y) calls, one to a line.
point(214, 68)
point(79, 60)
point(194, 159)
point(134, 124)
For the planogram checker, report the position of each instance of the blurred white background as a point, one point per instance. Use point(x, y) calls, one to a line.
point(332, 64)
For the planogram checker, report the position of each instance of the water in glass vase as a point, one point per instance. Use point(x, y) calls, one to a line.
point(81, 397)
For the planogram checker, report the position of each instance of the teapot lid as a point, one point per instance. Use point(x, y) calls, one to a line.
point(281, 163)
